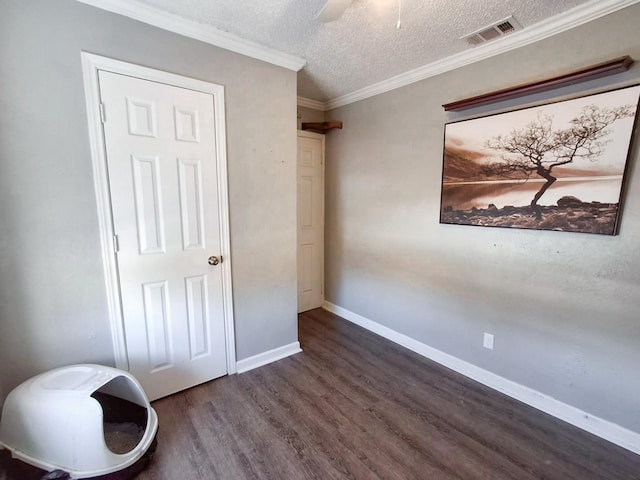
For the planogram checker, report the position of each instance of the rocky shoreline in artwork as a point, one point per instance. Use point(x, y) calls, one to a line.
point(570, 214)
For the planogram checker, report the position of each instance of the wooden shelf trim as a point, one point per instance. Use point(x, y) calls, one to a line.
point(321, 127)
point(611, 67)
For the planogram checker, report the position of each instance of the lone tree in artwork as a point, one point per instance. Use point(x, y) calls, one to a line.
point(538, 148)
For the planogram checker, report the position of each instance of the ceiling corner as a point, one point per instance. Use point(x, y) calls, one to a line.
point(313, 104)
point(211, 35)
point(575, 17)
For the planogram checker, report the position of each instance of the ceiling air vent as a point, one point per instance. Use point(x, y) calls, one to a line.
point(491, 32)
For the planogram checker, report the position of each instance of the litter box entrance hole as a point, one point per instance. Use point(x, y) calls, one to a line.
point(124, 416)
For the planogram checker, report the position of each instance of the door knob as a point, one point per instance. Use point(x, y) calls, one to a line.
point(213, 260)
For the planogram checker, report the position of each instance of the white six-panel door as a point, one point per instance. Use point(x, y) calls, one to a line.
point(160, 148)
point(310, 220)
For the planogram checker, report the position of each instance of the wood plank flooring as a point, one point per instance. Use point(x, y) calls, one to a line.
point(356, 406)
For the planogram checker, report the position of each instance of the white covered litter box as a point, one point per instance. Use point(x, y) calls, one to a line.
point(86, 420)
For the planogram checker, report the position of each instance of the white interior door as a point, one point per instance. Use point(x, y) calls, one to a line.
point(160, 149)
point(310, 220)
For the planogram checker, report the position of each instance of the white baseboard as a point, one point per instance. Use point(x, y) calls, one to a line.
point(265, 358)
point(602, 428)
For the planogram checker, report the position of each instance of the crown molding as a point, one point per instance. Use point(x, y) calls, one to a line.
point(311, 103)
point(579, 15)
point(198, 31)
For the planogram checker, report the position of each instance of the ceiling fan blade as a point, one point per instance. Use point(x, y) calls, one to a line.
point(333, 10)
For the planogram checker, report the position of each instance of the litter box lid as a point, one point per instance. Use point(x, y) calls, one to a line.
point(56, 420)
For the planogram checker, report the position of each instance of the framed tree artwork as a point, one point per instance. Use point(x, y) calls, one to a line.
point(558, 166)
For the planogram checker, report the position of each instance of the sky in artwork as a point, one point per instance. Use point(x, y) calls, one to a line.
point(473, 134)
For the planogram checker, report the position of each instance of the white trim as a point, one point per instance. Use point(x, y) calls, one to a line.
point(91, 64)
point(100, 184)
point(198, 31)
point(318, 136)
point(225, 232)
point(311, 103)
point(602, 428)
point(270, 356)
point(579, 15)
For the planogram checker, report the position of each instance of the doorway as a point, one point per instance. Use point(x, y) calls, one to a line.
point(159, 155)
point(310, 220)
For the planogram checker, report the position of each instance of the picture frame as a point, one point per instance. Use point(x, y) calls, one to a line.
point(559, 166)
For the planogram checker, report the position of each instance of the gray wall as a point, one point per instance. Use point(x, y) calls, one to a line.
point(309, 115)
point(53, 307)
point(564, 307)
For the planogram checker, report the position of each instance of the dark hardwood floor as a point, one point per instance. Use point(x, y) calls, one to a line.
point(356, 406)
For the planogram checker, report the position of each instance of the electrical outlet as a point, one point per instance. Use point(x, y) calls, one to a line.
point(487, 341)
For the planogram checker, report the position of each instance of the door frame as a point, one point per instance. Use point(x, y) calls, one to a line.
point(316, 136)
point(91, 64)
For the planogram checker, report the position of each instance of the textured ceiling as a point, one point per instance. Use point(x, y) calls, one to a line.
point(363, 47)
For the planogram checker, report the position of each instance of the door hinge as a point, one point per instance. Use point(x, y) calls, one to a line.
point(103, 115)
point(116, 244)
